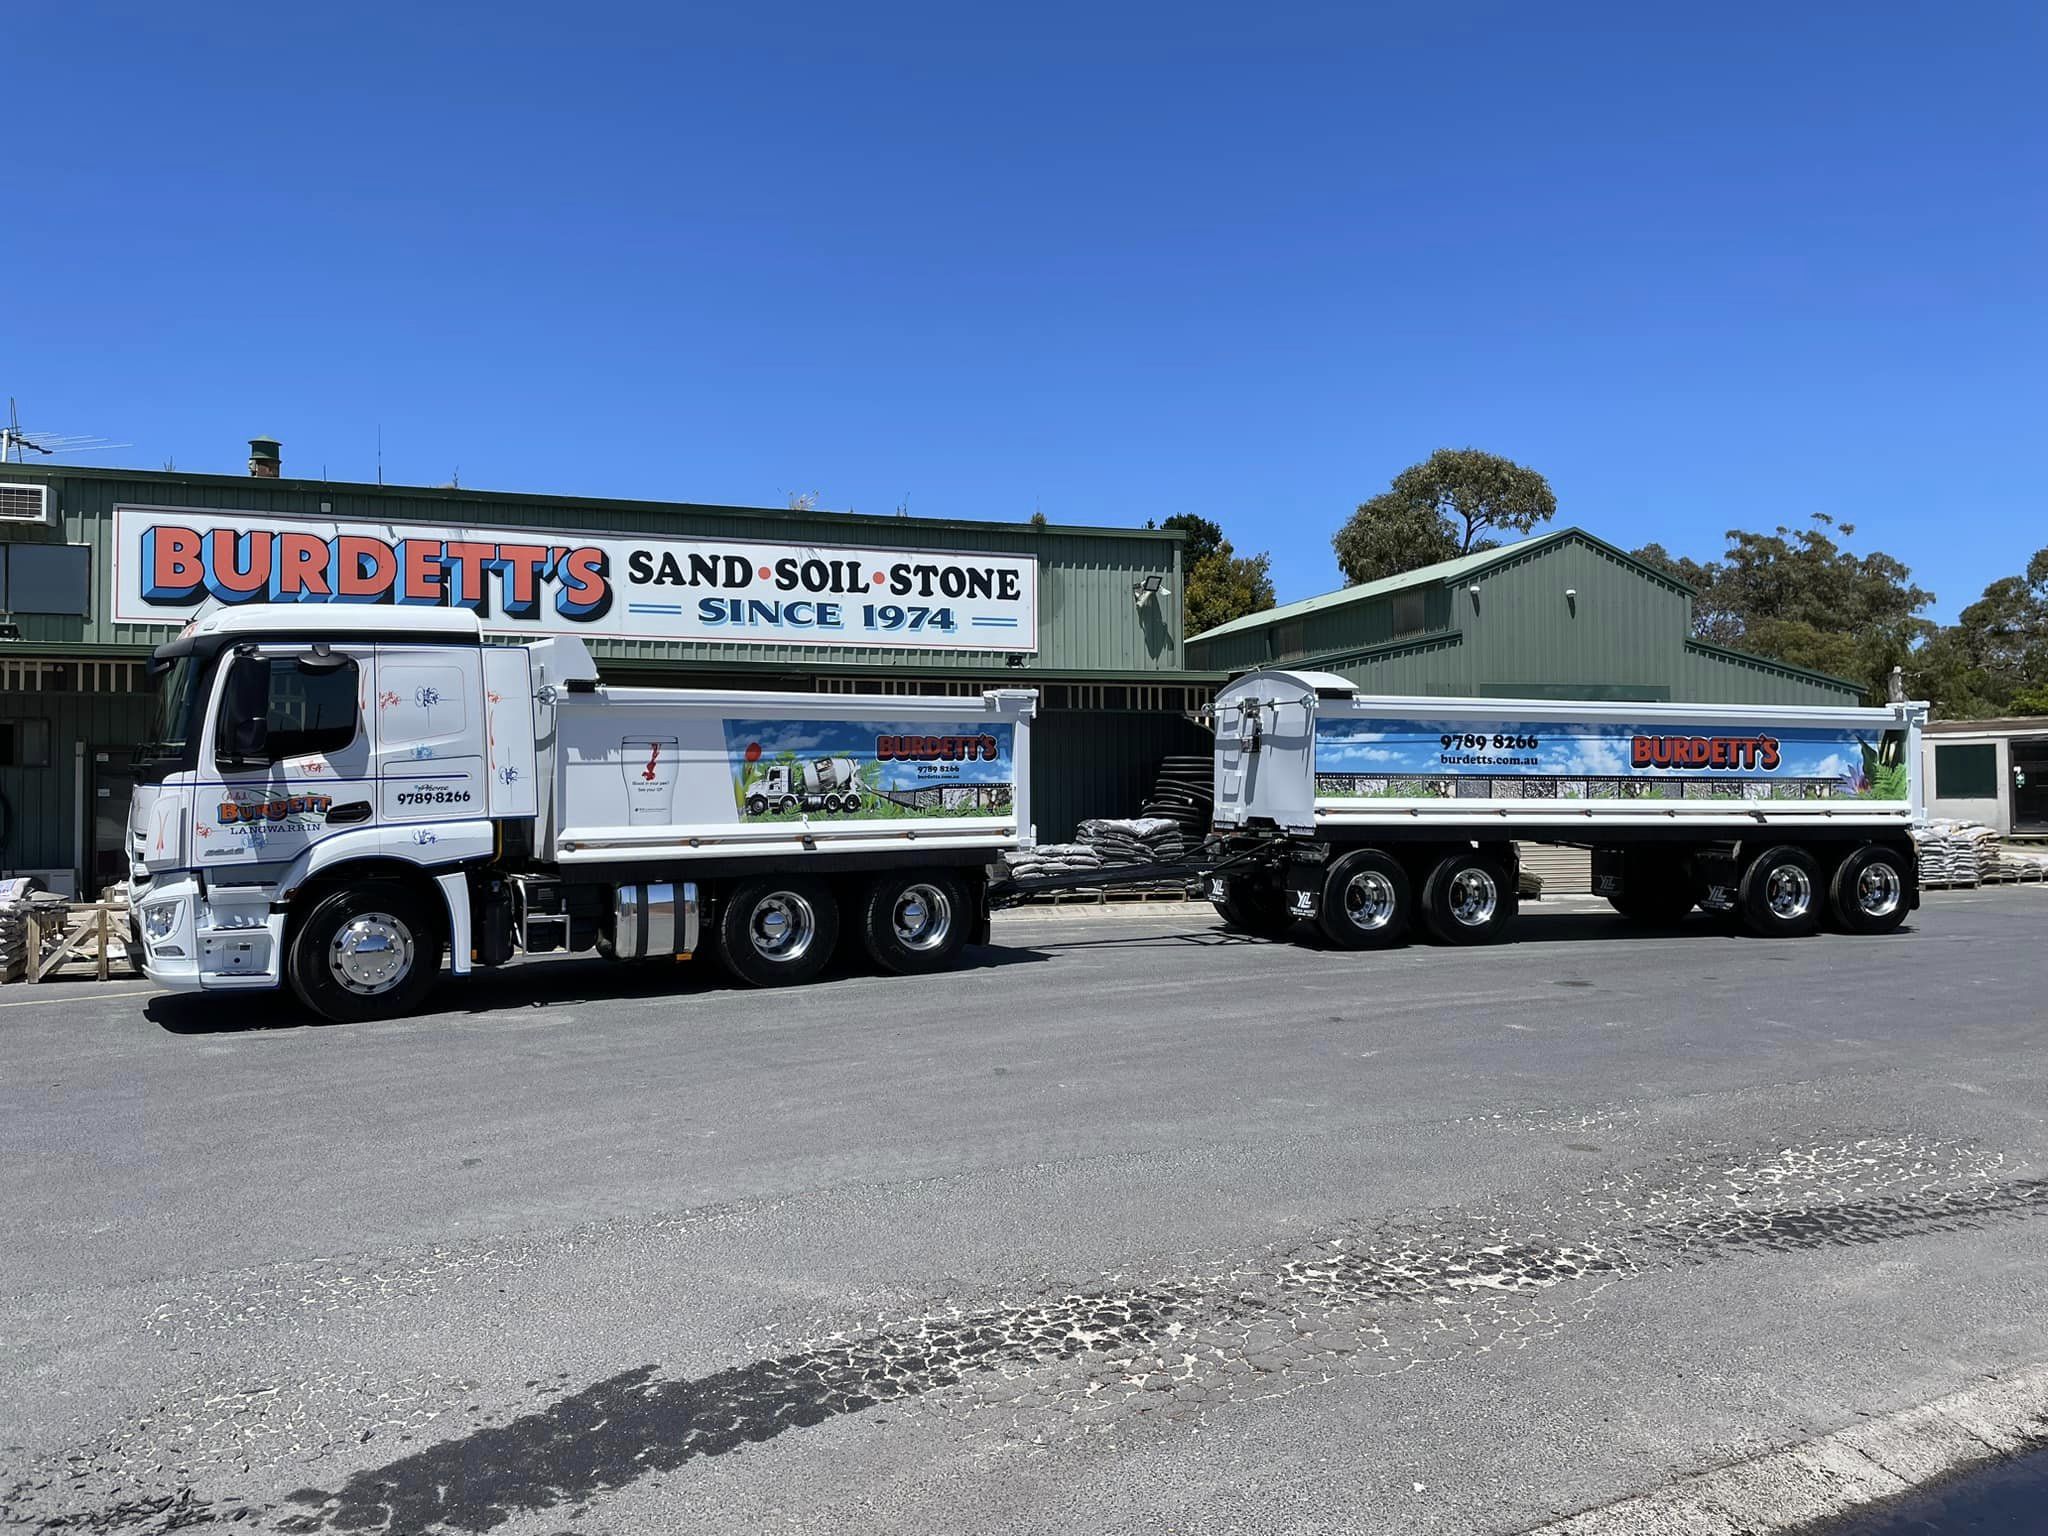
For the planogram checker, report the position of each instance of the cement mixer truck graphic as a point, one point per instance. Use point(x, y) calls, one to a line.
point(819, 784)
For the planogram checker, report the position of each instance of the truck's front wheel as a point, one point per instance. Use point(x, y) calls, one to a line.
point(369, 952)
point(779, 930)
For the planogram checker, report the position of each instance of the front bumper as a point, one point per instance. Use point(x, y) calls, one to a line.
point(193, 940)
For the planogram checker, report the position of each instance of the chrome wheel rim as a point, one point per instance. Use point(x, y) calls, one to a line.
point(922, 916)
point(782, 926)
point(1369, 901)
point(1474, 898)
point(1879, 890)
point(371, 954)
point(1788, 892)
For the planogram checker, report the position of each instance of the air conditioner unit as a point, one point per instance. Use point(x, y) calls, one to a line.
point(20, 503)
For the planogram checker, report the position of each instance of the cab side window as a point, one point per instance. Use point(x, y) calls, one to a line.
point(303, 711)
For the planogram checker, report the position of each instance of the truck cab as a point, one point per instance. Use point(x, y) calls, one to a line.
point(285, 744)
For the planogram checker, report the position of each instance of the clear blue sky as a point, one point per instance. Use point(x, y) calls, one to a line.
point(1113, 262)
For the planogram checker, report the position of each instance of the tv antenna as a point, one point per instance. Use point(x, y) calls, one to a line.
point(16, 443)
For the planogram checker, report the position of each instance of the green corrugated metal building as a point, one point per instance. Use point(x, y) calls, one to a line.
point(1104, 652)
point(1560, 616)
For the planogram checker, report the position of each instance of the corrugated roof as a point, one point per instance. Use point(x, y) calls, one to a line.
point(1421, 576)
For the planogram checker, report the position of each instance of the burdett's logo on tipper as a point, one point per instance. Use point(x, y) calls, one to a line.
point(1757, 753)
point(280, 808)
point(937, 749)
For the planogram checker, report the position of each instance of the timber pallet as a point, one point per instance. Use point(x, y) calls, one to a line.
point(82, 935)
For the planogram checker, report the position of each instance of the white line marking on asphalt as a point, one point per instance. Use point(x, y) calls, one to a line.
point(95, 997)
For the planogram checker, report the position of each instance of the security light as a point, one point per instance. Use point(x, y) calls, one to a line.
point(1144, 591)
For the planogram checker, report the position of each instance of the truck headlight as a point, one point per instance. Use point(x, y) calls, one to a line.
point(159, 919)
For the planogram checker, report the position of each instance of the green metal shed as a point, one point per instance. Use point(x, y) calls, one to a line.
point(1563, 615)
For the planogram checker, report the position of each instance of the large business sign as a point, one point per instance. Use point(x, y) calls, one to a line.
point(171, 561)
point(1362, 758)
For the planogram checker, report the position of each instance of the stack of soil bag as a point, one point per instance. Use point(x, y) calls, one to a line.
point(1049, 859)
point(1955, 852)
point(1146, 840)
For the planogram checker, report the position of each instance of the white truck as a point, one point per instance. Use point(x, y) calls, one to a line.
point(334, 796)
point(1363, 819)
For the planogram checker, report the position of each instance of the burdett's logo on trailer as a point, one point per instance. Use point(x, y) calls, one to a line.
point(936, 749)
point(285, 566)
point(1757, 753)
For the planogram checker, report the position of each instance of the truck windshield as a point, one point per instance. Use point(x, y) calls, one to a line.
point(172, 715)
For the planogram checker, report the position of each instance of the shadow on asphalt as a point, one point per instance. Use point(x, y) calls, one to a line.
point(538, 983)
point(544, 982)
point(1533, 926)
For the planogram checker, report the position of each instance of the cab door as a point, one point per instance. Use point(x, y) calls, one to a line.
point(287, 757)
point(430, 735)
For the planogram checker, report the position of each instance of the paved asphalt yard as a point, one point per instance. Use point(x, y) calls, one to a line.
point(1130, 1226)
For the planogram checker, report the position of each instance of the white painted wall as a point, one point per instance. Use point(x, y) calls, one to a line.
point(1992, 813)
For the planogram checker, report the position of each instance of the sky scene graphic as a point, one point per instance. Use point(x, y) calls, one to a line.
point(1568, 749)
point(807, 739)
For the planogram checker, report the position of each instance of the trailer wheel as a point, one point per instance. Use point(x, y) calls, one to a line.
point(1253, 905)
point(1468, 899)
point(914, 922)
point(1655, 891)
point(1366, 901)
point(1780, 894)
point(368, 952)
point(778, 930)
point(1869, 893)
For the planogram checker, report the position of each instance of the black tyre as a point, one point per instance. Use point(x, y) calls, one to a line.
point(1366, 901)
point(778, 930)
point(786, 803)
point(369, 952)
point(1256, 905)
point(1655, 906)
point(914, 922)
point(757, 805)
point(1780, 896)
point(1872, 890)
point(1468, 899)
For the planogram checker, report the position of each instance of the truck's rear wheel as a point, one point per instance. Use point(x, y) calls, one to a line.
point(914, 922)
point(1780, 894)
point(369, 952)
point(1366, 901)
point(1870, 891)
point(778, 930)
point(1254, 904)
point(1468, 899)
